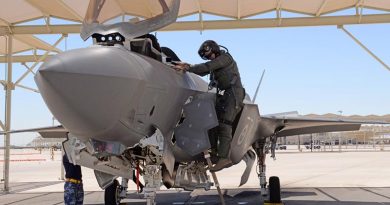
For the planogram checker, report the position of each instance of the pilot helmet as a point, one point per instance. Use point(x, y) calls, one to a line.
point(208, 48)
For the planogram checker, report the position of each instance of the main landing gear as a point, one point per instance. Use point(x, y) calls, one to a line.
point(273, 193)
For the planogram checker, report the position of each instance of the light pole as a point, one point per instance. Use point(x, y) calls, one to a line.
point(341, 114)
point(299, 143)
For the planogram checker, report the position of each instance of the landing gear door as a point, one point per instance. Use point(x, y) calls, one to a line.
point(244, 135)
point(200, 116)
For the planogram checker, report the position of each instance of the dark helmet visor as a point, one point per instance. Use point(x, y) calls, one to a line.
point(205, 52)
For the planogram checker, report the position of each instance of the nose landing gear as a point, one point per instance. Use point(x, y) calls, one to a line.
point(111, 194)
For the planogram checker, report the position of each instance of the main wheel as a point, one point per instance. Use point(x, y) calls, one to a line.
point(274, 190)
point(111, 194)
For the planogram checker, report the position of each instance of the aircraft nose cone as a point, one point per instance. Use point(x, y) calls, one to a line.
point(89, 89)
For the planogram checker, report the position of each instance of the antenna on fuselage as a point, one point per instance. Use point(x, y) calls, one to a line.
point(258, 86)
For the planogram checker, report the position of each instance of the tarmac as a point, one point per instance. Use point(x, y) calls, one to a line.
point(331, 178)
point(241, 196)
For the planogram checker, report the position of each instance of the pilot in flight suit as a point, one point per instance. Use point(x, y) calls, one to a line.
point(224, 76)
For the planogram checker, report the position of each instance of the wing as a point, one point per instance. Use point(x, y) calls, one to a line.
point(288, 126)
point(45, 132)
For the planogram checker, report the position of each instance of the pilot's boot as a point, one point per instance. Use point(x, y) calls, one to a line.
point(214, 159)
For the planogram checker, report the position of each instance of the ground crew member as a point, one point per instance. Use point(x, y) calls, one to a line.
point(73, 188)
point(224, 76)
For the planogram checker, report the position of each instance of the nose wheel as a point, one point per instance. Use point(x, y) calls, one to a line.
point(112, 194)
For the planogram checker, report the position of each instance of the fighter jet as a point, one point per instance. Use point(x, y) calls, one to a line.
point(125, 113)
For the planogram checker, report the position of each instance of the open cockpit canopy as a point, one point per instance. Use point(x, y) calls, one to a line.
point(129, 30)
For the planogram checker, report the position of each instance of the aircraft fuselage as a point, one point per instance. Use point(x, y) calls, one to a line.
point(112, 94)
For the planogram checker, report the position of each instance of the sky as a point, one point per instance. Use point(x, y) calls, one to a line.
point(308, 69)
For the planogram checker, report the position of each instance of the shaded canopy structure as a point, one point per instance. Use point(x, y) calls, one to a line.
point(15, 15)
point(240, 13)
point(25, 42)
point(19, 11)
point(17, 25)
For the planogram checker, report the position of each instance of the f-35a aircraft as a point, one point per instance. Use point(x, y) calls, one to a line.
point(123, 108)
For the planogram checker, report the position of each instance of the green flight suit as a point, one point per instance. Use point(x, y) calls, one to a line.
point(224, 73)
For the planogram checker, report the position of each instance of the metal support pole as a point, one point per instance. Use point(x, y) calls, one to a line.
point(339, 142)
point(299, 143)
point(356, 141)
point(311, 142)
point(8, 94)
point(373, 137)
point(364, 140)
point(2, 126)
point(62, 176)
point(28, 88)
point(215, 179)
point(28, 68)
point(331, 142)
point(364, 47)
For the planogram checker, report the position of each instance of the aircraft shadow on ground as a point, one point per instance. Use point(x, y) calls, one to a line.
point(311, 202)
point(248, 197)
point(287, 194)
point(207, 198)
point(25, 186)
point(232, 196)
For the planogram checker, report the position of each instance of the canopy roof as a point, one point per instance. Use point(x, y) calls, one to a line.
point(18, 11)
point(25, 43)
point(16, 15)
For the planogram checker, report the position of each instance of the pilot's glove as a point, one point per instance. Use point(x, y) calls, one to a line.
point(181, 66)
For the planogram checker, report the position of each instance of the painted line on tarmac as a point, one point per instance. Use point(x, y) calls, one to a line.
point(22, 154)
point(45, 194)
point(29, 186)
point(25, 160)
point(366, 189)
point(326, 194)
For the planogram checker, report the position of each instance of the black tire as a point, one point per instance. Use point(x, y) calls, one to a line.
point(111, 194)
point(274, 190)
